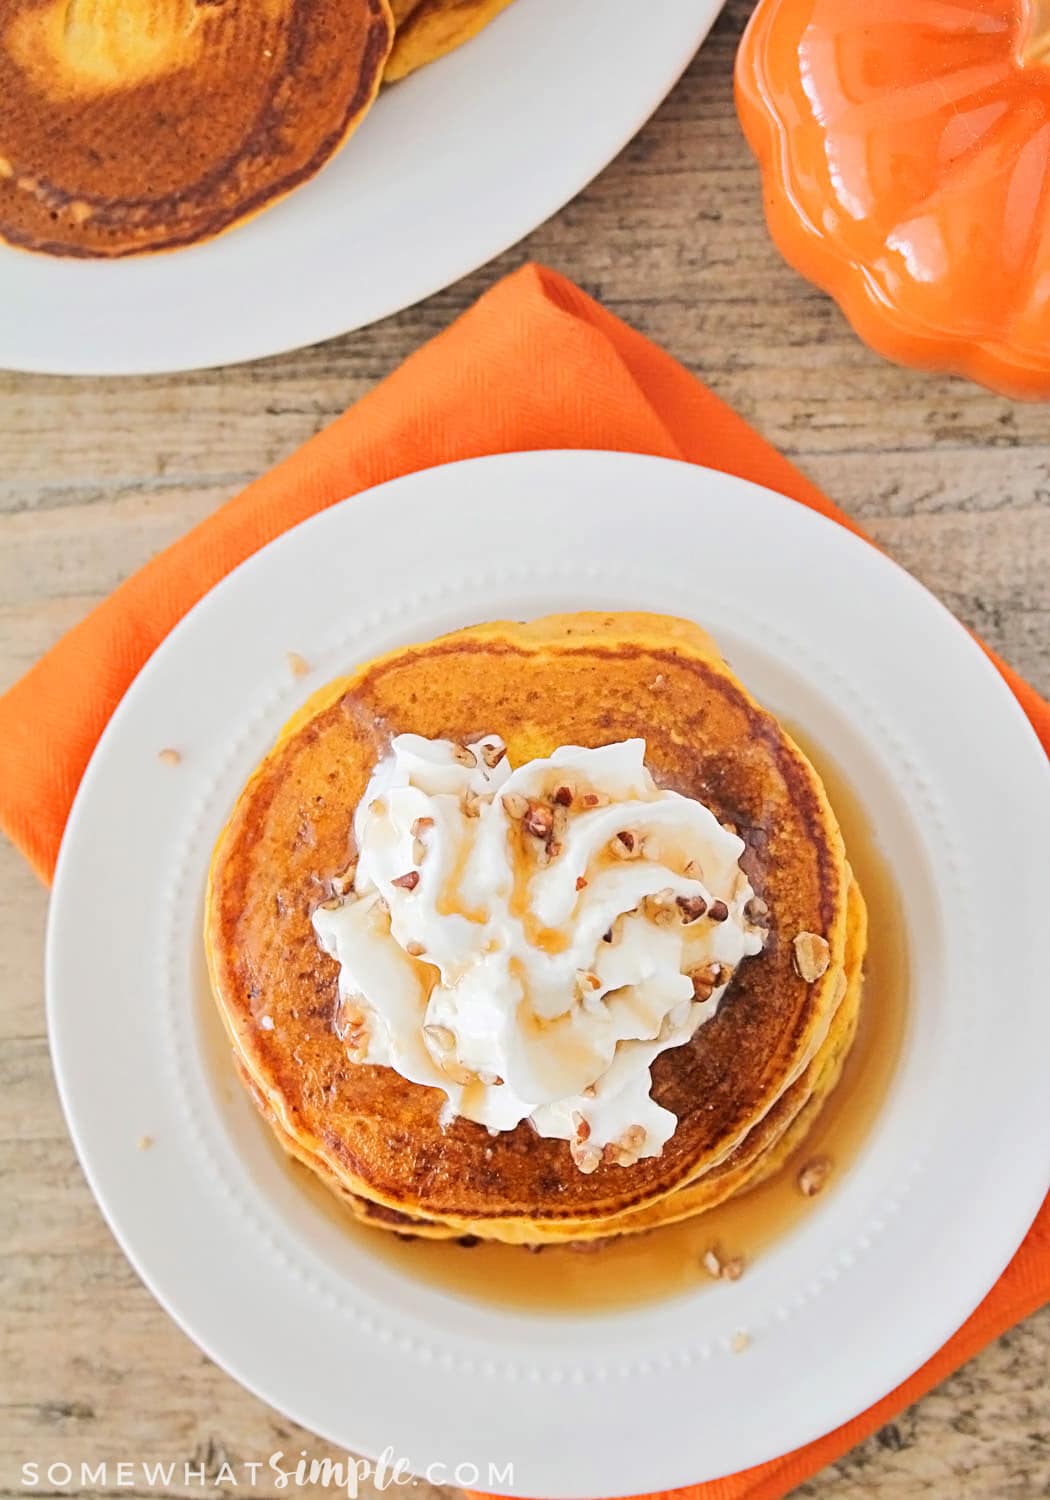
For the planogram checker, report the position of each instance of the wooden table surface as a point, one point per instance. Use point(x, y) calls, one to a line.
point(97, 475)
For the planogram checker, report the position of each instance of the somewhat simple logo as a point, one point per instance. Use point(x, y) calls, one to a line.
point(282, 1471)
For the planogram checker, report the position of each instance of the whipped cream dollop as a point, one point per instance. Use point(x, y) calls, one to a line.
point(530, 940)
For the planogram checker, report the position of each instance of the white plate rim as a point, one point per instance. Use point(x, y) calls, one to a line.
point(232, 299)
point(707, 490)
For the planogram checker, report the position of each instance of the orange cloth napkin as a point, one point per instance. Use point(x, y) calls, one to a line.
point(535, 364)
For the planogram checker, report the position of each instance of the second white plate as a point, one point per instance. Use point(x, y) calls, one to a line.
point(447, 170)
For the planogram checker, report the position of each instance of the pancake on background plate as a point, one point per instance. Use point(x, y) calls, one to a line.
point(428, 29)
point(537, 932)
point(136, 125)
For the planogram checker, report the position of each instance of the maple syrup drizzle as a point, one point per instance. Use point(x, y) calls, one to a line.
point(450, 902)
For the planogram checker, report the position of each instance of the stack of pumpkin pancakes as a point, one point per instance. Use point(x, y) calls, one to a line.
point(746, 1086)
point(129, 126)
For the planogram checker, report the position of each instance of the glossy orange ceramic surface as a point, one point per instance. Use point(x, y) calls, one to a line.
point(905, 150)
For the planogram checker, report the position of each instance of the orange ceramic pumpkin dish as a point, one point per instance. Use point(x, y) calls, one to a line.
point(905, 150)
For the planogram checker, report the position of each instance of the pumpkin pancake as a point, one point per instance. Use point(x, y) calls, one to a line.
point(588, 680)
point(136, 125)
point(428, 29)
point(766, 1149)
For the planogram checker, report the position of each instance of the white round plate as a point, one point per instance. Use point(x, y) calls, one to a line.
point(826, 630)
point(447, 170)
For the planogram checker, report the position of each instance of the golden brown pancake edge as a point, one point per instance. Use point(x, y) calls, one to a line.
point(430, 29)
